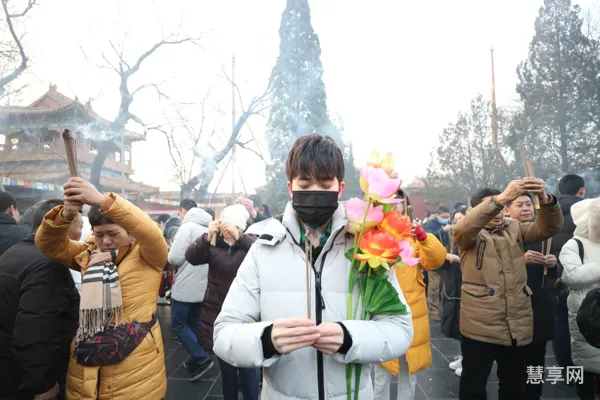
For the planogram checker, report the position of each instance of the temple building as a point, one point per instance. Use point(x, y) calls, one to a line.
point(33, 163)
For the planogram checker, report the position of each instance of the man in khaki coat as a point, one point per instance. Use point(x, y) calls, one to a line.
point(496, 319)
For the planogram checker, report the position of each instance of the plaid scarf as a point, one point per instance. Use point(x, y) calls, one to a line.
point(101, 301)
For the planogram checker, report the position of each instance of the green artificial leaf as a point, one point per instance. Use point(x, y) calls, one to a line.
point(386, 207)
point(350, 255)
point(380, 297)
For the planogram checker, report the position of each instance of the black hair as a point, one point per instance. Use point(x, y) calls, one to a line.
point(401, 194)
point(443, 210)
point(460, 205)
point(430, 213)
point(42, 210)
point(187, 204)
point(462, 210)
point(481, 194)
point(267, 212)
point(256, 200)
point(315, 156)
point(570, 184)
point(163, 218)
point(96, 218)
point(210, 212)
point(6, 201)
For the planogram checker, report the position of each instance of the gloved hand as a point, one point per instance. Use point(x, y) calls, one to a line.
point(420, 233)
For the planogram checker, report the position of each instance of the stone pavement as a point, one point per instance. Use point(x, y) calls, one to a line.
point(437, 382)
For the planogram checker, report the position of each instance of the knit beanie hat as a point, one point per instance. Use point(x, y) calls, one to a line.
point(236, 215)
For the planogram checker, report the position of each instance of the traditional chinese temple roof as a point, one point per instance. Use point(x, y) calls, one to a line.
point(54, 108)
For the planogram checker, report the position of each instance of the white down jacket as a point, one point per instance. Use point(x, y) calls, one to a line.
point(582, 277)
point(271, 284)
point(190, 281)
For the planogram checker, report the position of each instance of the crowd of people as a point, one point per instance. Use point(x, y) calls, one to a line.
point(504, 275)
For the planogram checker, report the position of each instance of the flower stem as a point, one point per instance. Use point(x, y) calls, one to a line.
point(357, 380)
point(349, 368)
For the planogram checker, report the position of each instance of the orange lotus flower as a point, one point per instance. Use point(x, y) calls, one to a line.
point(396, 225)
point(379, 249)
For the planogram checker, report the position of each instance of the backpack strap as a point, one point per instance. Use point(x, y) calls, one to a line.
point(580, 247)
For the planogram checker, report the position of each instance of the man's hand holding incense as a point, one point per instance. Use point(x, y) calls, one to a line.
point(79, 190)
point(514, 189)
point(537, 187)
point(331, 339)
point(291, 334)
point(551, 261)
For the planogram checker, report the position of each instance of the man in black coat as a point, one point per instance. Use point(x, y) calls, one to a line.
point(541, 269)
point(441, 228)
point(10, 232)
point(571, 190)
point(39, 312)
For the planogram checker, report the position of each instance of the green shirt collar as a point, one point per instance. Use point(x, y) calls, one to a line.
point(323, 238)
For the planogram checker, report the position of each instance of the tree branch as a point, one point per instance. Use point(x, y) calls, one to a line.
point(120, 55)
point(23, 65)
point(148, 53)
point(243, 146)
point(147, 85)
point(30, 5)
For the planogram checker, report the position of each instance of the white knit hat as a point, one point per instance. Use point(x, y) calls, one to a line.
point(236, 215)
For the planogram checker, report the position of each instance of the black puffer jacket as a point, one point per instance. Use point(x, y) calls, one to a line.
point(541, 300)
point(223, 263)
point(10, 232)
point(39, 310)
point(451, 291)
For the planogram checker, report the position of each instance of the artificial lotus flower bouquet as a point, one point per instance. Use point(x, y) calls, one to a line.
point(381, 241)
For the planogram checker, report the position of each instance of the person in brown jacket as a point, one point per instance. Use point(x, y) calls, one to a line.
point(496, 319)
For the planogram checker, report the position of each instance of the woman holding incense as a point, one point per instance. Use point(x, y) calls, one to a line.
point(223, 248)
point(121, 267)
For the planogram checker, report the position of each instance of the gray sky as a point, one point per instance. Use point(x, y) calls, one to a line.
point(396, 72)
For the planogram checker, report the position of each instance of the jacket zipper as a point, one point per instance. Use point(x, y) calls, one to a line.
point(319, 307)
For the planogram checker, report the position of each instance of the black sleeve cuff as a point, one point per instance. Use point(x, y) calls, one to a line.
point(269, 349)
point(347, 340)
point(553, 201)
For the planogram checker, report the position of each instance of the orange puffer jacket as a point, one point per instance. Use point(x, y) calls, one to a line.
point(142, 374)
point(433, 256)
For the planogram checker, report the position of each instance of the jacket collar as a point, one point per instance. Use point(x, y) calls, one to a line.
point(6, 219)
point(291, 223)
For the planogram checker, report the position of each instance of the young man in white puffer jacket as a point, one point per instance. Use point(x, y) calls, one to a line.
point(263, 321)
point(581, 277)
point(187, 293)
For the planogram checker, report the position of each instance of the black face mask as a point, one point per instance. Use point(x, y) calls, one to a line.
point(315, 207)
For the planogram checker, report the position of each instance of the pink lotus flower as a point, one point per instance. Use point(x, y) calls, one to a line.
point(355, 213)
point(378, 186)
point(406, 253)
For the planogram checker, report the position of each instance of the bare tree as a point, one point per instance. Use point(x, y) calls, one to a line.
point(12, 54)
point(125, 71)
point(209, 161)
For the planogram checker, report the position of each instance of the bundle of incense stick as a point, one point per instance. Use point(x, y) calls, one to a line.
point(71, 150)
point(530, 172)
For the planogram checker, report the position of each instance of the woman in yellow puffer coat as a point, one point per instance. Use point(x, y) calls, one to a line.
point(418, 357)
point(127, 233)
